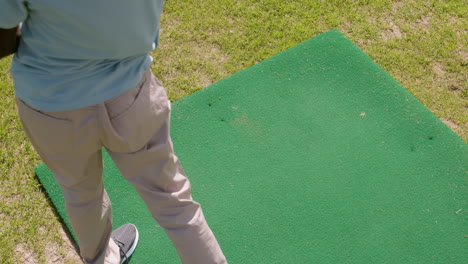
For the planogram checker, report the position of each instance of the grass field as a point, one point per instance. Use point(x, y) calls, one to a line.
point(422, 44)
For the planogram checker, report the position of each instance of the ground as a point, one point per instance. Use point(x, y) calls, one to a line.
point(422, 44)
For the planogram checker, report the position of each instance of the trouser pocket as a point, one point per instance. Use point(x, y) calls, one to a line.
point(49, 132)
point(133, 118)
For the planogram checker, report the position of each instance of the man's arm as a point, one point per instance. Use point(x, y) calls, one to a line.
point(12, 12)
point(8, 41)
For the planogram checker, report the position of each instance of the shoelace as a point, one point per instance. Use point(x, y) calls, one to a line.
point(121, 245)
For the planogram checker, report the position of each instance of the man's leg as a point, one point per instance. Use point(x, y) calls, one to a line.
point(68, 144)
point(161, 182)
point(156, 173)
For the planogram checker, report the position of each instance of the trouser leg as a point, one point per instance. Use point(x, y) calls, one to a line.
point(159, 179)
point(89, 210)
point(78, 171)
point(142, 150)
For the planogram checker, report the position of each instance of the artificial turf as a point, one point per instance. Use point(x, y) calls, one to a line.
point(315, 155)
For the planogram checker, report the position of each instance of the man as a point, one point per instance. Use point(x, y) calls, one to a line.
point(82, 82)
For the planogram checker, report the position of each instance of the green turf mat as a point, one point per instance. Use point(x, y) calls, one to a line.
point(315, 155)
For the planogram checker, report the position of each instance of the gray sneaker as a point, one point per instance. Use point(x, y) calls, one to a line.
point(126, 237)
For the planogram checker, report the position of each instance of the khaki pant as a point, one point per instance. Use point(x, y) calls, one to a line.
point(134, 129)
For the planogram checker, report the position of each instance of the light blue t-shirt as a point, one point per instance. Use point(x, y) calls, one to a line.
point(75, 54)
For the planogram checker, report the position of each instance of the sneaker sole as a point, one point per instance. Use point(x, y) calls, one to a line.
point(132, 249)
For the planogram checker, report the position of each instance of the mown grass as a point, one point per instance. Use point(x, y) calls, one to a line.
point(422, 44)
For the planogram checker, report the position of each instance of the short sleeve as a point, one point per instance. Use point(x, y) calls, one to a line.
point(12, 12)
